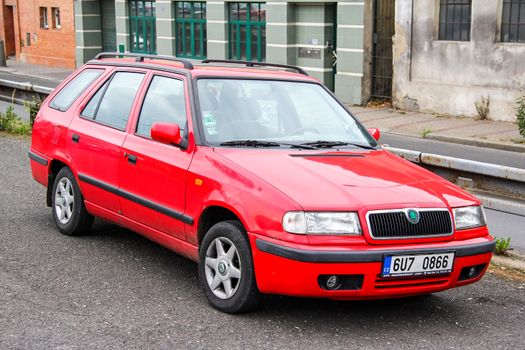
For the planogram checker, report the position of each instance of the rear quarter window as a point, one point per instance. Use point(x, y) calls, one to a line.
point(73, 89)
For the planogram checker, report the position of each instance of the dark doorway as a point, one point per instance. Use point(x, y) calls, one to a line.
point(109, 32)
point(9, 23)
point(382, 48)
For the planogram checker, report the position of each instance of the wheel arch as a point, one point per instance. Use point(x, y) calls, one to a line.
point(54, 167)
point(212, 215)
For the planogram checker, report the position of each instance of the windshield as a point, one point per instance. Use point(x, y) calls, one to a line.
point(281, 112)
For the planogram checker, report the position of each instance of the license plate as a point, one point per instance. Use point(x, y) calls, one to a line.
point(417, 265)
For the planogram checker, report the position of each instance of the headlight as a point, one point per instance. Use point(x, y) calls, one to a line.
point(469, 217)
point(322, 223)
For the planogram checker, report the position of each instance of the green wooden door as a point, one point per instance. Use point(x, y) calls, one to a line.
point(142, 27)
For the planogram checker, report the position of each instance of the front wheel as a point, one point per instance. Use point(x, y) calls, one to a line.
point(69, 212)
point(226, 268)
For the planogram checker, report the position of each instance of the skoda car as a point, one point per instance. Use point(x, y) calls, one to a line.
point(259, 174)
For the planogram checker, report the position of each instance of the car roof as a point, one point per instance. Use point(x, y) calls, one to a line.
point(213, 69)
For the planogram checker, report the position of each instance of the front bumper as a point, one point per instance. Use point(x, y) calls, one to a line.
point(288, 269)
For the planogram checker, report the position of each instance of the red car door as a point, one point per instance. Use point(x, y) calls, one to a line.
point(153, 174)
point(95, 137)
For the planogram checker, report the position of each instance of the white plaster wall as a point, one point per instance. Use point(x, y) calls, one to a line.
point(449, 77)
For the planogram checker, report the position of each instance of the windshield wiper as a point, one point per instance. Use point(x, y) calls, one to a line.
point(250, 143)
point(257, 143)
point(330, 144)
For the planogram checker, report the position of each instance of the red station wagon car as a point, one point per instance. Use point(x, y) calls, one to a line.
point(257, 173)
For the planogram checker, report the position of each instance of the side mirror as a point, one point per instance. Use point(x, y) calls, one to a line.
point(168, 133)
point(376, 134)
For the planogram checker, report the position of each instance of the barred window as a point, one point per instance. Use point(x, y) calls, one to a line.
point(454, 20)
point(513, 21)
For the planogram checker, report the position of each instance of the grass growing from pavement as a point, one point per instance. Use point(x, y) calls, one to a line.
point(520, 114)
point(425, 132)
point(502, 245)
point(11, 123)
point(483, 107)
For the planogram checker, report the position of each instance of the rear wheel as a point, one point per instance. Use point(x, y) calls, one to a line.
point(67, 203)
point(226, 268)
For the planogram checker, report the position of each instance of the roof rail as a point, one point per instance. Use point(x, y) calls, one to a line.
point(139, 57)
point(260, 64)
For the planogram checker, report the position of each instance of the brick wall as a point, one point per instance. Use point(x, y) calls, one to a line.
point(50, 47)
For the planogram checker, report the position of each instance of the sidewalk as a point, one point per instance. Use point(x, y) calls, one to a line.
point(462, 130)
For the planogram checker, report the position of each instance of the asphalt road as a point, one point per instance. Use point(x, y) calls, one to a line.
point(507, 225)
point(115, 289)
point(480, 154)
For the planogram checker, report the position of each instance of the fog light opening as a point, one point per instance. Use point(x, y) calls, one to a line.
point(340, 282)
point(471, 272)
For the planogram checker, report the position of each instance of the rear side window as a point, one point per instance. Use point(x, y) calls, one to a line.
point(69, 93)
point(112, 102)
point(164, 102)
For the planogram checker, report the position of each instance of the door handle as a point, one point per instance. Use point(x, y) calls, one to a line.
point(132, 159)
point(75, 138)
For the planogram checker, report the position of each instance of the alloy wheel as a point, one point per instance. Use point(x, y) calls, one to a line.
point(223, 268)
point(64, 200)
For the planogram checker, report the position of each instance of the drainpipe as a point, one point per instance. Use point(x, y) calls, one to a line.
point(411, 40)
point(19, 30)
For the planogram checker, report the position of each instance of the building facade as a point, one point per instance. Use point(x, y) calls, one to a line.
point(39, 31)
point(324, 38)
point(428, 55)
point(449, 54)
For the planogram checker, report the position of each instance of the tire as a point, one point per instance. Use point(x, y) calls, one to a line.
point(67, 204)
point(215, 269)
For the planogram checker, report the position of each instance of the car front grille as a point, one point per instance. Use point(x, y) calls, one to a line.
point(394, 224)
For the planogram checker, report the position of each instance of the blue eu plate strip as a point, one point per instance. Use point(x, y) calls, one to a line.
point(386, 265)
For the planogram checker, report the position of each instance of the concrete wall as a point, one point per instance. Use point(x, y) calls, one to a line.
point(447, 76)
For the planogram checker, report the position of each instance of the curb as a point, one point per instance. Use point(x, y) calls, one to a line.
point(514, 261)
point(477, 143)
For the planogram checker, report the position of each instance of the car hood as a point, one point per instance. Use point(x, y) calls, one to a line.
point(348, 180)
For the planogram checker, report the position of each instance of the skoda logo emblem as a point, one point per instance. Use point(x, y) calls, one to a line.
point(412, 216)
